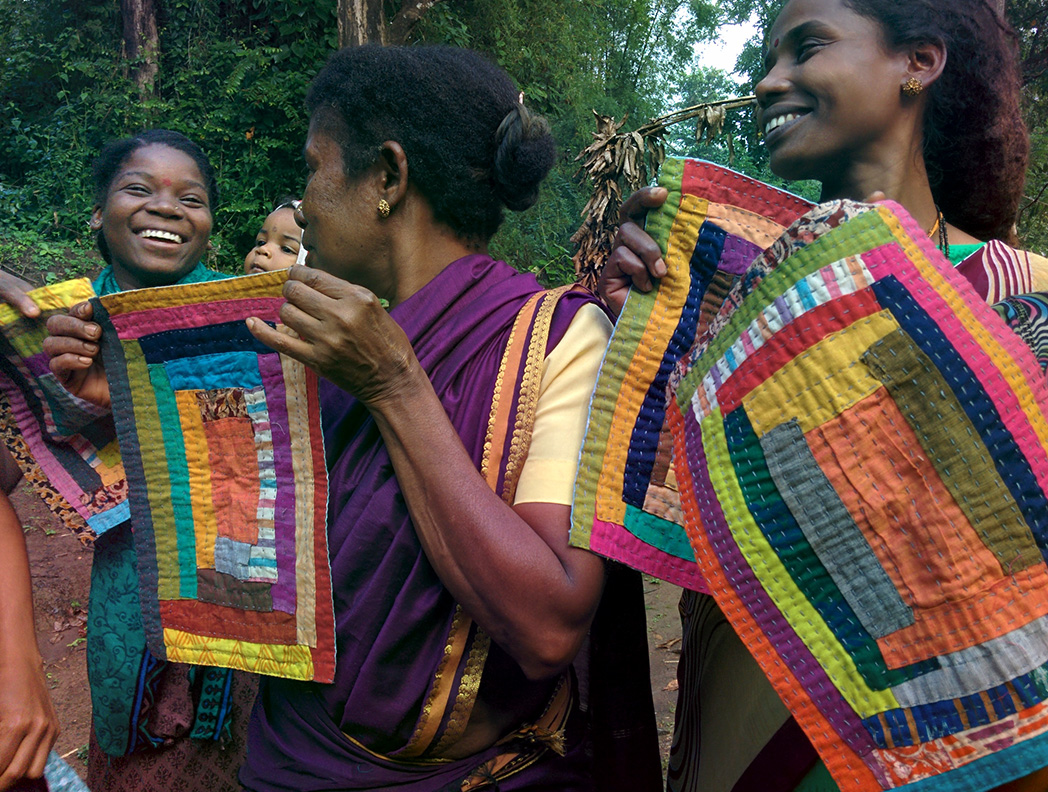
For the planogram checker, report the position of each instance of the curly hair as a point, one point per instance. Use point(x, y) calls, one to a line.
point(116, 152)
point(976, 146)
point(472, 147)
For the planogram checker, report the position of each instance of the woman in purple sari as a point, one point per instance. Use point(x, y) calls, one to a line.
point(453, 423)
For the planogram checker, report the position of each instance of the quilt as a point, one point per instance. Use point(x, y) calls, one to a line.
point(222, 447)
point(66, 447)
point(861, 448)
point(713, 225)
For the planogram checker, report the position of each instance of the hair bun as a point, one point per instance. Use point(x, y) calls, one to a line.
point(524, 153)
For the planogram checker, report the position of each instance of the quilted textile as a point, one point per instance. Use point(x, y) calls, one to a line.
point(222, 445)
point(714, 223)
point(862, 450)
point(66, 447)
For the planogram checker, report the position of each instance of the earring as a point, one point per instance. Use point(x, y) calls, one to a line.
point(94, 225)
point(912, 87)
point(383, 208)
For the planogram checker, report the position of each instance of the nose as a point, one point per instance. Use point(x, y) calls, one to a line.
point(772, 85)
point(163, 203)
point(300, 219)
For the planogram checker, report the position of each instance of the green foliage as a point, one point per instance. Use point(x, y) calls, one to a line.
point(232, 76)
point(618, 57)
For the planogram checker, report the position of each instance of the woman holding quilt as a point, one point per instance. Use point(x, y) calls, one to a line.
point(914, 102)
point(452, 428)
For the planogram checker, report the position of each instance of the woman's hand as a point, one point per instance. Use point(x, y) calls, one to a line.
point(635, 258)
point(13, 292)
point(28, 724)
point(72, 345)
point(344, 334)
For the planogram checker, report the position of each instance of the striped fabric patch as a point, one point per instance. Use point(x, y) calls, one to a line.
point(222, 444)
point(627, 505)
point(73, 458)
point(861, 446)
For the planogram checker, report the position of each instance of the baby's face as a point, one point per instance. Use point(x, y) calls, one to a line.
point(277, 243)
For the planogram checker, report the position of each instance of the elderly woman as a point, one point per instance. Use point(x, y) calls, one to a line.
point(453, 424)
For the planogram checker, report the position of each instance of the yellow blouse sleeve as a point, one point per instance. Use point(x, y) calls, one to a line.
point(568, 377)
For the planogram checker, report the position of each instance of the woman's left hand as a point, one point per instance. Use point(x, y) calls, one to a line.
point(72, 346)
point(343, 333)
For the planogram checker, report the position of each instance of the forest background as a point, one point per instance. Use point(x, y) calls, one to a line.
point(232, 75)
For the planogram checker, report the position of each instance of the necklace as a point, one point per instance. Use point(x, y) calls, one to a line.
point(940, 226)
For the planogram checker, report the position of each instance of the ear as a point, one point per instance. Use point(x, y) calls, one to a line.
point(926, 62)
point(393, 164)
point(96, 218)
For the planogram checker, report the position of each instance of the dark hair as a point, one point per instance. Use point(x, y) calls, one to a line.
point(285, 202)
point(472, 147)
point(976, 145)
point(116, 152)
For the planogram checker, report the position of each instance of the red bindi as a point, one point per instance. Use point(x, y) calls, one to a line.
point(166, 182)
point(775, 43)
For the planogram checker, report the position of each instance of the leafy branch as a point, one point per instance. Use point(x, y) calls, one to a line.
point(614, 156)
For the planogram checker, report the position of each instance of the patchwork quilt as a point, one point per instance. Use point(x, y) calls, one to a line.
point(860, 447)
point(714, 223)
point(67, 448)
point(222, 446)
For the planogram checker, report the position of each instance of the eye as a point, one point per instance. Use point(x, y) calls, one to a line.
point(194, 200)
point(806, 48)
point(289, 251)
point(136, 189)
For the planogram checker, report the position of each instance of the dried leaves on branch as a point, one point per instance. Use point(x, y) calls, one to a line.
point(614, 157)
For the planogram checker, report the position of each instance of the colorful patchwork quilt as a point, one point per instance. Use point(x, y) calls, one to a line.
point(222, 444)
point(713, 225)
point(66, 447)
point(861, 447)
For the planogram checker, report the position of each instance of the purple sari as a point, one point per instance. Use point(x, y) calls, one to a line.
point(393, 615)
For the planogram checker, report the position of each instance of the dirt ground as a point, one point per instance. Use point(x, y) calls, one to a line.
point(61, 568)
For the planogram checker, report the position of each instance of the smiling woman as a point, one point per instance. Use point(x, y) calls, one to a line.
point(153, 206)
point(916, 102)
point(154, 194)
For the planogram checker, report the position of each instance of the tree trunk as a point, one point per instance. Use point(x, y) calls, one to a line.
point(364, 21)
point(141, 42)
point(361, 22)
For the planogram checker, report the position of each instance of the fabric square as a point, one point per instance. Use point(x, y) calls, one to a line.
point(860, 449)
point(66, 447)
point(222, 442)
point(627, 503)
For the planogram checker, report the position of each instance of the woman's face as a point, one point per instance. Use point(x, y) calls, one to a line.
point(276, 244)
point(830, 102)
point(339, 217)
point(156, 218)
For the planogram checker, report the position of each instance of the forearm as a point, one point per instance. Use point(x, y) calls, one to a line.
point(511, 570)
point(28, 725)
point(17, 631)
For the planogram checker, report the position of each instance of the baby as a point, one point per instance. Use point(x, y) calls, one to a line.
point(278, 244)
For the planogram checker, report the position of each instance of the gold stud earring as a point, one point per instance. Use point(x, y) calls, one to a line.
point(383, 208)
point(912, 87)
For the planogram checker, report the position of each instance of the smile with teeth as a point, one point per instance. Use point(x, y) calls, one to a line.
point(155, 233)
point(777, 121)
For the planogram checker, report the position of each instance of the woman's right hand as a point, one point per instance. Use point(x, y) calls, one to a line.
point(72, 345)
point(635, 257)
point(13, 292)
